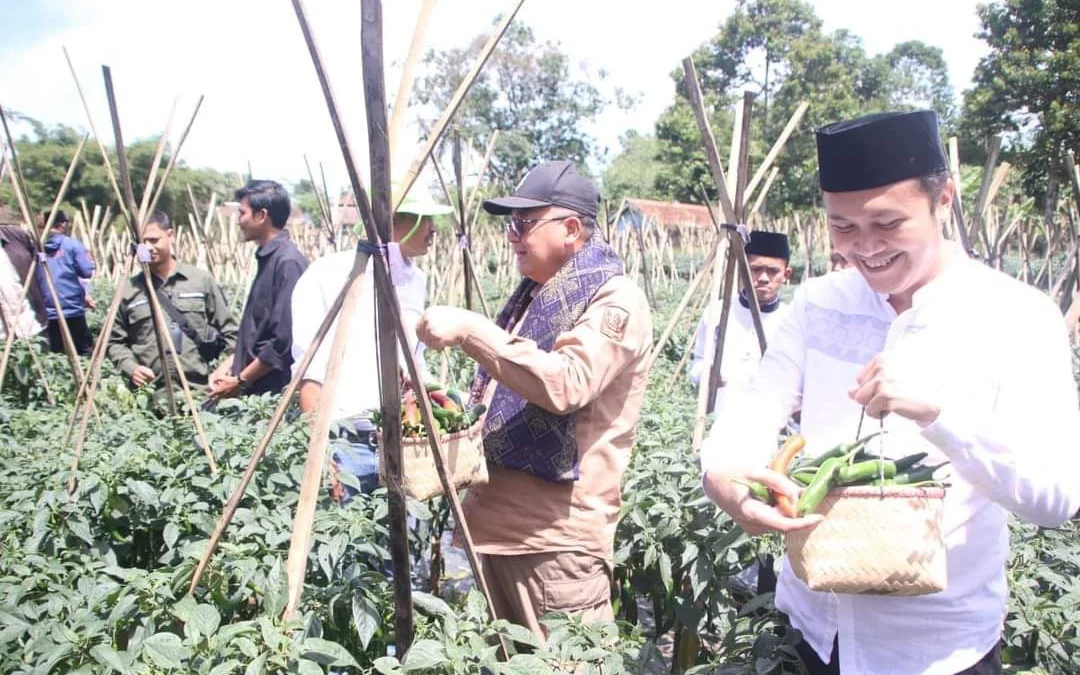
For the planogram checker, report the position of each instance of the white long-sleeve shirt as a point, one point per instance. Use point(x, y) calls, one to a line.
point(313, 295)
point(741, 350)
point(993, 353)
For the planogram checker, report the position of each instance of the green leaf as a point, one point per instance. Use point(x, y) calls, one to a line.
point(81, 529)
point(205, 619)
point(171, 534)
point(476, 606)
point(143, 491)
point(365, 619)
point(165, 650)
point(256, 667)
point(225, 668)
point(307, 667)
point(523, 635)
point(424, 654)
point(665, 570)
point(525, 664)
point(387, 665)
point(327, 653)
point(107, 656)
point(431, 604)
point(276, 594)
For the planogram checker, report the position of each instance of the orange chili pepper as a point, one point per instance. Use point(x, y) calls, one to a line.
point(788, 451)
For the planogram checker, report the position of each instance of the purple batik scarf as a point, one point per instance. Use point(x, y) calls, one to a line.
point(521, 435)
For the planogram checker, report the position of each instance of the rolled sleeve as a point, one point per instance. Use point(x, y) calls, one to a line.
point(614, 331)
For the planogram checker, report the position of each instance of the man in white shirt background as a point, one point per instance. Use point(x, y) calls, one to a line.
point(358, 389)
point(955, 359)
point(768, 254)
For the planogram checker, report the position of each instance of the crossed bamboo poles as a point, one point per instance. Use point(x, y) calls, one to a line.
point(18, 184)
point(134, 215)
point(375, 215)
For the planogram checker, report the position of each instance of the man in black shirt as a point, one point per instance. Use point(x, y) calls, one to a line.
point(263, 360)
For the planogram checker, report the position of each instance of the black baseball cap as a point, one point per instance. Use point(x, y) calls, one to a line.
point(550, 184)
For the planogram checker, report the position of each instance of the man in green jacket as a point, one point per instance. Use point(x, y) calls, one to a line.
point(194, 309)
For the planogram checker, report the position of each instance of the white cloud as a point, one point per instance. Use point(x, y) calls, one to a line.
point(263, 103)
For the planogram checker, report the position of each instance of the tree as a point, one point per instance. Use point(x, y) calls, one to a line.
point(634, 172)
point(45, 156)
point(917, 77)
point(528, 91)
point(1028, 86)
point(776, 50)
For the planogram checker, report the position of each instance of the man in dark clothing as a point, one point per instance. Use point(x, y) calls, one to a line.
point(19, 248)
point(262, 361)
point(195, 310)
point(69, 264)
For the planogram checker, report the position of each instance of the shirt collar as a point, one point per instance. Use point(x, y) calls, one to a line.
point(765, 308)
point(269, 248)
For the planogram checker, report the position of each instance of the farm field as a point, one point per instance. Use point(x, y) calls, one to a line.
point(97, 582)
point(110, 510)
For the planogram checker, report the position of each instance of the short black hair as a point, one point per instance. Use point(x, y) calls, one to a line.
point(269, 196)
point(161, 219)
point(934, 184)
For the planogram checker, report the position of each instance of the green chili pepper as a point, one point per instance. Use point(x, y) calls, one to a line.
point(909, 462)
point(819, 487)
point(919, 474)
point(863, 472)
point(844, 450)
point(803, 475)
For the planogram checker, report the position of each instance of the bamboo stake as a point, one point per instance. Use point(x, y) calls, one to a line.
point(24, 204)
point(455, 102)
point(680, 309)
point(300, 542)
point(401, 101)
point(473, 202)
point(379, 212)
point(774, 152)
point(93, 129)
point(466, 256)
point(88, 389)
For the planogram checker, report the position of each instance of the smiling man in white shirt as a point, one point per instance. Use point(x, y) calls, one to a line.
point(956, 359)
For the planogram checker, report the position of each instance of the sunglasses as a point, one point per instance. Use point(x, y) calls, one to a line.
point(519, 227)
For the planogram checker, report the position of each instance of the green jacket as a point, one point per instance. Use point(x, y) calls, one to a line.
point(132, 342)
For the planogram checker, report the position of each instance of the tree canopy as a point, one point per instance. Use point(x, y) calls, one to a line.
point(529, 90)
point(1028, 86)
point(45, 154)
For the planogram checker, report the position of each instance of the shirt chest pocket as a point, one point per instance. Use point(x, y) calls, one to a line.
point(193, 306)
point(139, 315)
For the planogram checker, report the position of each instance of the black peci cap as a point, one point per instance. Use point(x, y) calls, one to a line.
point(769, 244)
point(878, 150)
point(550, 184)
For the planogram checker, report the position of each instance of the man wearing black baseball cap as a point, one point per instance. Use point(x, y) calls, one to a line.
point(905, 335)
point(562, 372)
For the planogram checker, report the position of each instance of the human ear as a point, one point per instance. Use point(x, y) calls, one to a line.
point(574, 229)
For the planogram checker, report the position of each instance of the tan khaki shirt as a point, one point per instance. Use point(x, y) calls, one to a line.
point(597, 369)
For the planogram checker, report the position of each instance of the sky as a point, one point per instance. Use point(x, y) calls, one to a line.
point(262, 101)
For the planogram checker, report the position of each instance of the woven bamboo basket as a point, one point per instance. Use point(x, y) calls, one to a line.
point(465, 462)
point(874, 541)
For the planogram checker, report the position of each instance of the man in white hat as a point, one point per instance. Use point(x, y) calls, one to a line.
point(358, 389)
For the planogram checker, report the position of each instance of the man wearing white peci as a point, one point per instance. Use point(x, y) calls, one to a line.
point(955, 358)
